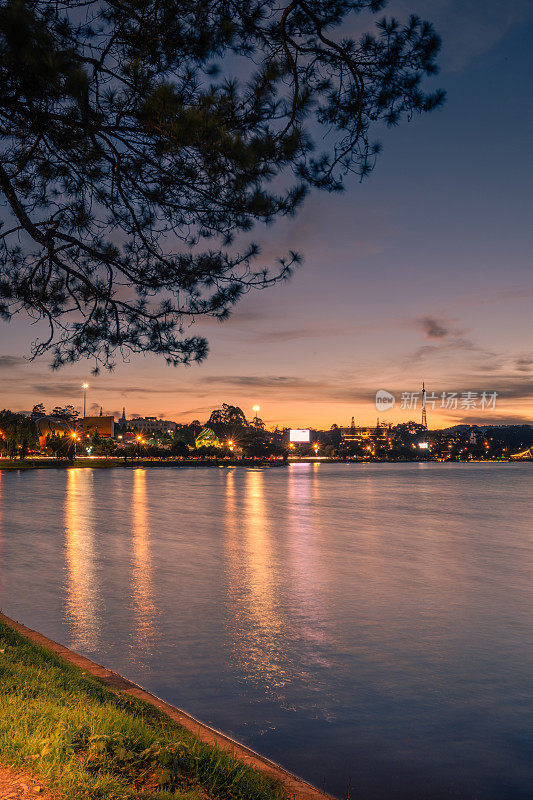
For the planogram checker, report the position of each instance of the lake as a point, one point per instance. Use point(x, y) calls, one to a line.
point(368, 626)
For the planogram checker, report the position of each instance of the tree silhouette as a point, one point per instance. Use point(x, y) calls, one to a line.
point(17, 430)
point(130, 156)
point(66, 413)
point(226, 416)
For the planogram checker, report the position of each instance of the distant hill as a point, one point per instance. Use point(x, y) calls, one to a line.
point(484, 428)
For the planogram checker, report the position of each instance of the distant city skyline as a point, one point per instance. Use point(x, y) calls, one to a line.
point(421, 273)
point(446, 408)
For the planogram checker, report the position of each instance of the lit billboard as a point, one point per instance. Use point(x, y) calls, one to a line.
point(299, 435)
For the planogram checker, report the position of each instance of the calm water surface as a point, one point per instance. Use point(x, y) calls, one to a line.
point(368, 626)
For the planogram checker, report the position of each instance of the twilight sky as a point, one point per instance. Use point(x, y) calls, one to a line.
point(423, 272)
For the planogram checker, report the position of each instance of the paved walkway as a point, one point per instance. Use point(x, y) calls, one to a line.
point(20, 786)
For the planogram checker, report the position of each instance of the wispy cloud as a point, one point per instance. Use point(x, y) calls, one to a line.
point(318, 332)
point(434, 328)
point(290, 387)
point(524, 363)
point(8, 362)
point(446, 338)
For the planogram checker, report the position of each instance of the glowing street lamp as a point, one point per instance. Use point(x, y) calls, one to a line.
point(315, 448)
point(84, 386)
point(257, 409)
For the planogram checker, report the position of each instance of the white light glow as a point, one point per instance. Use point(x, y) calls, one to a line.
point(299, 435)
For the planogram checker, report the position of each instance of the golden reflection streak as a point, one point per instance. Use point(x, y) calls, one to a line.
point(82, 588)
point(142, 590)
point(302, 491)
point(258, 642)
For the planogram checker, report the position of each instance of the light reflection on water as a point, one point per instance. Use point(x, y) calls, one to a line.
point(82, 606)
point(360, 624)
point(145, 610)
point(255, 619)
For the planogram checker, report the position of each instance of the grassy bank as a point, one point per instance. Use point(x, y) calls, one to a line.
point(88, 742)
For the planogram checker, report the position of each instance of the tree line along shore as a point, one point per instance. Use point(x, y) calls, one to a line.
point(227, 437)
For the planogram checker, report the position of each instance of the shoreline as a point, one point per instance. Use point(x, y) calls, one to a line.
point(296, 788)
point(119, 463)
point(112, 463)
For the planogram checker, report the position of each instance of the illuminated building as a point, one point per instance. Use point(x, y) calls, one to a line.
point(145, 425)
point(104, 426)
point(363, 434)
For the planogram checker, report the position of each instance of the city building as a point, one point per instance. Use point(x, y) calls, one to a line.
point(149, 426)
point(103, 425)
point(361, 434)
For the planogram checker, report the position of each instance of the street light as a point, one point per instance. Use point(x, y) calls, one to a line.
point(84, 386)
point(256, 409)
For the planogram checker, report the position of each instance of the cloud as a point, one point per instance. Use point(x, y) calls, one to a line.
point(239, 318)
point(434, 328)
point(433, 350)
point(524, 363)
point(286, 335)
point(66, 389)
point(329, 389)
point(8, 362)
point(291, 334)
point(192, 413)
point(507, 388)
point(71, 389)
point(446, 339)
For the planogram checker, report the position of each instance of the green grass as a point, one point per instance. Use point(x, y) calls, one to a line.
point(89, 743)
